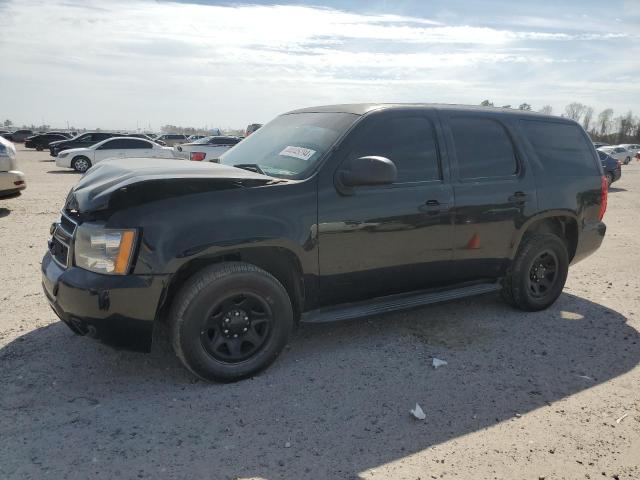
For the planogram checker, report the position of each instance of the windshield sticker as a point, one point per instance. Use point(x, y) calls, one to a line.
point(298, 152)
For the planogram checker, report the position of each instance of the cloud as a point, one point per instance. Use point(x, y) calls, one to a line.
point(108, 63)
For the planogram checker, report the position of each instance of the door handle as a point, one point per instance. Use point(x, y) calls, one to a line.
point(434, 206)
point(518, 197)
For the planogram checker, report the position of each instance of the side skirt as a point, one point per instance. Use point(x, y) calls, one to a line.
point(393, 303)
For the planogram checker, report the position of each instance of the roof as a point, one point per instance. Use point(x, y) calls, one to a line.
point(364, 108)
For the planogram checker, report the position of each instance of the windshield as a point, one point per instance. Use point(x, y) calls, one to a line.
point(290, 145)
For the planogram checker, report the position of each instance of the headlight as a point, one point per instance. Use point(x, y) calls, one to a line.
point(104, 250)
point(62, 154)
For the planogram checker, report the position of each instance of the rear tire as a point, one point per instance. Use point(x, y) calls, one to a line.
point(627, 160)
point(230, 321)
point(39, 148)
point(538, 273)
point(81, 164)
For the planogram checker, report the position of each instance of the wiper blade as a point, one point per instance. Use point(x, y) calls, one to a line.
point(252, 167)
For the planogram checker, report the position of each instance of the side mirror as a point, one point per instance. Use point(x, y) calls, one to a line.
point(365, 171)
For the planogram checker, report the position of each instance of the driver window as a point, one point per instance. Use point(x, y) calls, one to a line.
point(408, 141)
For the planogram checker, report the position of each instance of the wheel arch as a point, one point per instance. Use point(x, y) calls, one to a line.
point(562, 223)
point(280, 262)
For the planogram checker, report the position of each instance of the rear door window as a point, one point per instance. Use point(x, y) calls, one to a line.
point(561, 148)
point(483, 148)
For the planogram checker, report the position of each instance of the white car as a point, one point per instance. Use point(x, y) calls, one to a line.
point(81, 159)
point(619, 153)
point(206, 149)
point(11, 180)
point(171, 139)
point(632, 147)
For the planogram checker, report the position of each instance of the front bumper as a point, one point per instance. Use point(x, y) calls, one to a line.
point(11, 182)
point(119, 310)
point(63, 161)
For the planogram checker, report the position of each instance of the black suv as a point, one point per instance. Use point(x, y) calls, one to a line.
point(42, 141)
point(80, 141)
point(325, 214)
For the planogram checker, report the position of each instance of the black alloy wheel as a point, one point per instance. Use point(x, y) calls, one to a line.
point(543, 274)
point(538, 273)
point(236, 328)
point(229, 321)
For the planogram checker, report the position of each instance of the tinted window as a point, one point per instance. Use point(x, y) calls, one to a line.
point(483, 148)
point(561, 148)
point(176, 137)
point(111, 145)
point(134, 144)
point(409, 142)
point(125, 143)
point(223, 141)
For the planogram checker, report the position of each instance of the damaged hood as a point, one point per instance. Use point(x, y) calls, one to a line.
point(116, 184)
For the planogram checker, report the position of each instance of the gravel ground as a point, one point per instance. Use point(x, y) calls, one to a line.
point(524, 395)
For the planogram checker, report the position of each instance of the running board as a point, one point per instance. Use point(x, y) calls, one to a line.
point(393, 303)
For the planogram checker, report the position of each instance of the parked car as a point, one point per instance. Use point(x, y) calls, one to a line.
point(208, 148)
point(171, 139)
point(42, 141)
point(619, 153)
point(329, 213)
point(83, 140)
point(12, 180)
point(18, 136)
point(252, 127)
point(600, 144)
point(144, 136)
point(81, 159)
point(4, 132)
point(634, 148)
point(64, 134)
point(611, 167)
point(193, 138)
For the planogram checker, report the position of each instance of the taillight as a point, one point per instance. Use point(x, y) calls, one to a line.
point(197, 156)
point(604, 190)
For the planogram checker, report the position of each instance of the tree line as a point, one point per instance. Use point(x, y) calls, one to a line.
point(603, 127)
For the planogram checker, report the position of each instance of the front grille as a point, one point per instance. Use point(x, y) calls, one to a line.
point(59, 251)
point(60, 244)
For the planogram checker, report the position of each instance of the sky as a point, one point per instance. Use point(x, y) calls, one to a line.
point(140, 63)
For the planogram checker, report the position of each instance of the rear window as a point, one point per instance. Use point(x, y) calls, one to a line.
point(561, 148)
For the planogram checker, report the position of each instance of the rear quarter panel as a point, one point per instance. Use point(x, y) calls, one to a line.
point(577, 196)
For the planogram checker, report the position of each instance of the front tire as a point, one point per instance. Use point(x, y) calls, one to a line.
point(39, 148)
point(627, 160)
point(538, 273)
point(81, 164)
point(230, 321)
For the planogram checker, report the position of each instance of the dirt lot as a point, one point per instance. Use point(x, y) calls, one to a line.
point(523, 395)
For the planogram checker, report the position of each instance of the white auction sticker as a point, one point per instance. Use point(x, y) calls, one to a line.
point(298, 152)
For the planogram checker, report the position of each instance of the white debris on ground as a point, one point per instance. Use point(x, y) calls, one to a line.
point(418, 412)
point(436, 362)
